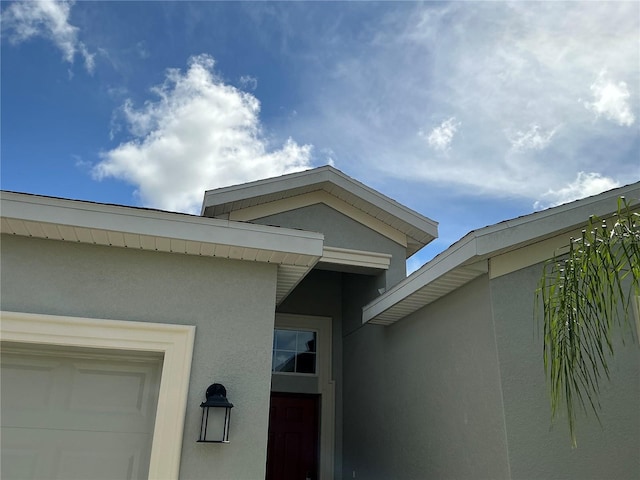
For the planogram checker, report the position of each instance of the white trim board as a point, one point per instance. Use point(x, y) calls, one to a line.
point(468, 257)
point(175, 342)
point(85, 222)
point(418, 229)
point(314, 198)
point(356, 258)
point(325, 177)
point(295, 252)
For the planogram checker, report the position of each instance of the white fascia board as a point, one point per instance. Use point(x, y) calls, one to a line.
point(175, 226)
point(258, 188)
point(554, 221)
point(494, 239)
point(455, 256)
point(357, 258)
point(317, 176)
point(388, 204)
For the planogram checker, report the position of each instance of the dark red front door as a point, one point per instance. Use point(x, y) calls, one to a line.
point(292, 453)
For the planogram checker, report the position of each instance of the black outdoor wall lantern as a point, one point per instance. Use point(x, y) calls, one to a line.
point(216, 412)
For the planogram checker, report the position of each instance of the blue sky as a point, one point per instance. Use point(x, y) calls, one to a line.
point(470, 113)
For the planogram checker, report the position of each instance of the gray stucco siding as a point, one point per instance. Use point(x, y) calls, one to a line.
point(339, 296)
point(320, 294)
point(343, 232)
point(364, 427)
point(538, 449)
point(231, 303)
point(431, 389)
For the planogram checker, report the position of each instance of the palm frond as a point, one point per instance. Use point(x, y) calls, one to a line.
point(585, 293)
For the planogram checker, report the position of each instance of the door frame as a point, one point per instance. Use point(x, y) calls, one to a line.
point(175, 342)
point(326, 385)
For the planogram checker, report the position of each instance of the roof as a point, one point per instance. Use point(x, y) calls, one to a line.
point(295, 252)
point(467, 258)
point(326, 184)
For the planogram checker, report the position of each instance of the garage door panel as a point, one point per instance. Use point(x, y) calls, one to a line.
point(34, 381)
point(118, 388)
point(101, 455)
point(70, 414)
point(76, 466)
point(19, 463)
point(68, 455)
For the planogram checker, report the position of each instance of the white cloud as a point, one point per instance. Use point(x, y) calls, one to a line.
point(533, 139)
point(611, 100)
point(511, 73)
point(441, 136)
point(585, 185)
point(328, 156)
point(248, 82)
point(48, 19)
point(199, 134)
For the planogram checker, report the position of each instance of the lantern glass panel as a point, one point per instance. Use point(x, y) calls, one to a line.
point(215, 424)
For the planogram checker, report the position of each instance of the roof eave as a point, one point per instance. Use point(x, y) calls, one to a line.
point(469, 255)
point(295, 252)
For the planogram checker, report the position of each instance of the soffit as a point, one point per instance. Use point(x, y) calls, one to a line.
point(418, 229)
point(467, 259)
point(439, 277)
point(294, 252)
point(438, 287)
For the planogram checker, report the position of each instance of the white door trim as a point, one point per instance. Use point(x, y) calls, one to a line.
point(175, 342)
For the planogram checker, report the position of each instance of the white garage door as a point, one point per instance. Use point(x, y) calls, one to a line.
point(77, 413)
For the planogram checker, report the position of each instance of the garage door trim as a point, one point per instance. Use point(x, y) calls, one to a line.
point(175, 342)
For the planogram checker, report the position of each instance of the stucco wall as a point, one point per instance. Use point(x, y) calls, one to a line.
point(343, 232)
point(422, 397)
point(320, 294)
point(339, 296)
point(231, 303)
point(538, 450)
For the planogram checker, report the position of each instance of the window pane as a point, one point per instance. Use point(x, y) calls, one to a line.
point(294, 351)
point(286, 340)
point(306, 363)
point(284, 361)
point(306, 342)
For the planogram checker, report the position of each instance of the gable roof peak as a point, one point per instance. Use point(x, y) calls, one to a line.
point(228, 201)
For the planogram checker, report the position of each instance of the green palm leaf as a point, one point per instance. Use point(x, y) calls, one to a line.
point(585, 293)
